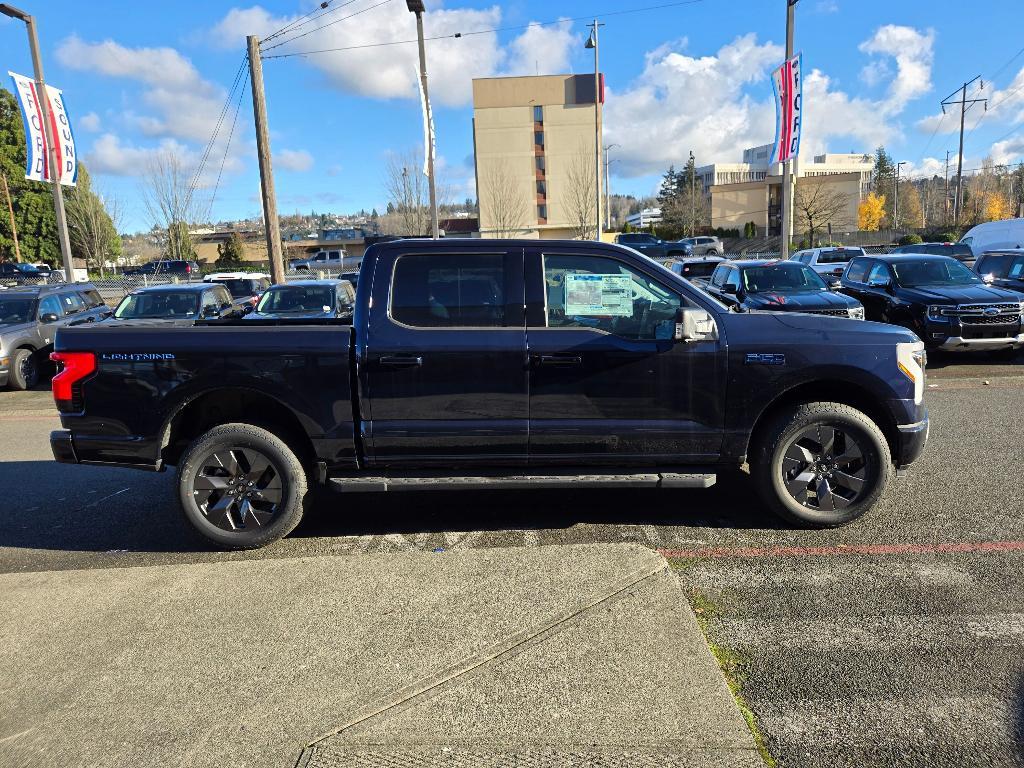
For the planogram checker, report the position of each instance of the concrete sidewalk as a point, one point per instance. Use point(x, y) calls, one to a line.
point(583, 655)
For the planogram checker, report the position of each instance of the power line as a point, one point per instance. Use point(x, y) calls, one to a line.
point(307, 19)
point(227, 146)
point(486, 31)
point(328, 24)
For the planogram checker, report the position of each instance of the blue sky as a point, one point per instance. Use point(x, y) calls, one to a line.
point(144, 78)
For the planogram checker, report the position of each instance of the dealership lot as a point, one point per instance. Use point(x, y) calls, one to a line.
point(896, 639)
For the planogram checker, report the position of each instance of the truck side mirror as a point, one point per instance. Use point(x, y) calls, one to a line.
point(729, 288)
point(49, 317)
point(695, 324)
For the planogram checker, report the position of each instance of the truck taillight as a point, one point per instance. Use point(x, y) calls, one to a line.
point(72, 368)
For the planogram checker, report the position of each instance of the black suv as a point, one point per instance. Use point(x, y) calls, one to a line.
point(652, 247)
point(14, 273)
point(182, 304)
point(938, 298)
point(29, 319)
point(958, 251)
point(1004, 269)
point(178, 267)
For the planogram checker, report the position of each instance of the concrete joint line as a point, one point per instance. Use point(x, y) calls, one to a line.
point(503, 649)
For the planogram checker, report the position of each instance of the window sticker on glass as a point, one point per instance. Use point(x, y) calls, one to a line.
point(605, 295)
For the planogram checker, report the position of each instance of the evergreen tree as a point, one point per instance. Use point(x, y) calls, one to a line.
point(231, 253)
point(883, 181)
point(32, 200)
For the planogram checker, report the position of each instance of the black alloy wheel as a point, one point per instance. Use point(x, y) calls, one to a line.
point(824, 469)
point(238, 489)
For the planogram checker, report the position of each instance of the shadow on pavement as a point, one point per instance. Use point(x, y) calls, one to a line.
point(946, 364)
point(84, 509)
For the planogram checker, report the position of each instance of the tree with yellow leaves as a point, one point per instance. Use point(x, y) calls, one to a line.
point(871, 212)
point(997, 206)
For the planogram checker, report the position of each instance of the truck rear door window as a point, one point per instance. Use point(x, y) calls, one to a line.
point(449, 290)
point(605, 294)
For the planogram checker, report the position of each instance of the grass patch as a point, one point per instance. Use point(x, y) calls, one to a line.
point(732, 663)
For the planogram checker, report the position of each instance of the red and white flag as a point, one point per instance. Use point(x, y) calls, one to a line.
point(37, 159)
point(787, 82)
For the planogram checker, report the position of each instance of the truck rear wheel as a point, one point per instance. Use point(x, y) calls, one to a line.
point(821, 465)
point(241, 486)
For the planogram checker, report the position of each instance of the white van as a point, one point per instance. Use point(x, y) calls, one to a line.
point(992, 235)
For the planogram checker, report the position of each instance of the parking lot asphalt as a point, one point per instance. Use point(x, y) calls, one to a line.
point(897, 640)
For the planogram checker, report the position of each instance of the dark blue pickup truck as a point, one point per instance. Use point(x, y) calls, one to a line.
point(497, 364)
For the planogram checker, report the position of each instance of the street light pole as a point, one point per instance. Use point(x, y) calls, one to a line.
point(593, 43)
point(787, 171)
point(51, 148)
point(896, 196)
point(608, 188)
point(693, 201)
point(416, 6)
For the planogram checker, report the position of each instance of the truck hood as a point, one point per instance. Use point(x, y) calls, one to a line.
point(796, 302)
point(16, 329)
point(839, 329)
point(958, 294)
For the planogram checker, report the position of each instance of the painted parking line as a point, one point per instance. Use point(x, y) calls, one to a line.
point(848, 549)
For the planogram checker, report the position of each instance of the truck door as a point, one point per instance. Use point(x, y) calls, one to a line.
point(445, 375)
point(607, 382)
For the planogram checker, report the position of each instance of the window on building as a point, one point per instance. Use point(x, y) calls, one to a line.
point(538, 114)
point(542, 188)
point(542, 212)
point(538, 138)
point(540, 164)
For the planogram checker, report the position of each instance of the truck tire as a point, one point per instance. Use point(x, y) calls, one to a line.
point(821, 465)
point(24, 372)
point(241, 486)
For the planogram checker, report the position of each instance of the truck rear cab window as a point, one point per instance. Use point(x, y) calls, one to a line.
point(449, 290)
point(606, 294)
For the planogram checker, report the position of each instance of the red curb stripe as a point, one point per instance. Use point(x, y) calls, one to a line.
point(848, 549)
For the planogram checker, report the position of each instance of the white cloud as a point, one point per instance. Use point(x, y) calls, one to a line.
point(109, 155)
point(1010, 150)
point(293, 160)
point(389, 72)
point(681, 103)
point(914, 52)
point(826, 6)
point(90, 122)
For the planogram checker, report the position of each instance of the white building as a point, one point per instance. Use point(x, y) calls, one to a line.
point(644, 218)
point(755, 167)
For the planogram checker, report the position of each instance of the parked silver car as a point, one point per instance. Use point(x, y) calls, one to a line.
point(29, 319)
point(704, 245)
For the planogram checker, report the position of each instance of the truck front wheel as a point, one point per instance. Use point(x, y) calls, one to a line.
point(241, 486)
point(821, 465)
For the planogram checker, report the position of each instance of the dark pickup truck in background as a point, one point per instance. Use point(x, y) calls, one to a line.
point(497, 364)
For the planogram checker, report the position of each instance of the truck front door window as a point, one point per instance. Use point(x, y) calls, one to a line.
point(605, 294)
point(449, 290)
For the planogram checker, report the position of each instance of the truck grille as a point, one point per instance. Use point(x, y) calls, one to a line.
point(985, 314)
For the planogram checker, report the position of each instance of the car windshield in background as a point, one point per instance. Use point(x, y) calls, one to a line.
point(314, 298)
point(698, 269)
point(782, 278)
point(167, 304)
point(838, 257)
point(239, 288)
point(14, 311)
point(1005, 265)
point(912, 274)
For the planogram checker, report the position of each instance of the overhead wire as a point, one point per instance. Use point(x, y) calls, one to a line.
point(227, 145)
point(328, 24)
point(307, 19)
point(454, 35)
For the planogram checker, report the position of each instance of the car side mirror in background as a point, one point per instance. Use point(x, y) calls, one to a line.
point(694, 324)
point(835, 284)
point(727, 288)
point(49, 317)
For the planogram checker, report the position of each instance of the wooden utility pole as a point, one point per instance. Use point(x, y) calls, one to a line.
point(14, 227)
point(965, 104)
point(259, 108)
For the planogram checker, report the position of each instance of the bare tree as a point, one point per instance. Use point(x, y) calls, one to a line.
point(503, 201)
point(170, 201)
point(580, 207)
point(408, 192)
point(816, 204)
point(92, 224)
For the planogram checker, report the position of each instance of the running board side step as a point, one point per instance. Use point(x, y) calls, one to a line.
point(448, 482)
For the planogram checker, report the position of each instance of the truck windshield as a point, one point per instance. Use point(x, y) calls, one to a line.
point(312, 298)
point(943, 271)
point(14, 311)
point(169, 304)
point(239, 288)
point(1004, 265)
point(838, 256)
point(785, 277)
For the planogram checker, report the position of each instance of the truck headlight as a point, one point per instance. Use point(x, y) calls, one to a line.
point(935, 313)
point(1022, 309)
point(857, 313)
point(911, 360)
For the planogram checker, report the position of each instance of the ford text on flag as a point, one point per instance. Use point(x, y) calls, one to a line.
point(36, 157)
point(787, 81)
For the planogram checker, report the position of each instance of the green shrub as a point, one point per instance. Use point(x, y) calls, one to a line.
point(910, 240)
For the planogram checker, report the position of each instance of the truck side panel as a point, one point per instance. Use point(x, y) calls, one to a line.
point(146, 375)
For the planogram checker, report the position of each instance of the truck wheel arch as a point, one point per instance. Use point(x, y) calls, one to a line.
point(198, 414)
point(833, 391)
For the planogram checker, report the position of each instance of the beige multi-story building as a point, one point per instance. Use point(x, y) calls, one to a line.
point(534, 145)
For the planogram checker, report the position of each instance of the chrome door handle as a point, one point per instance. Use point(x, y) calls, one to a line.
point(400, 361)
